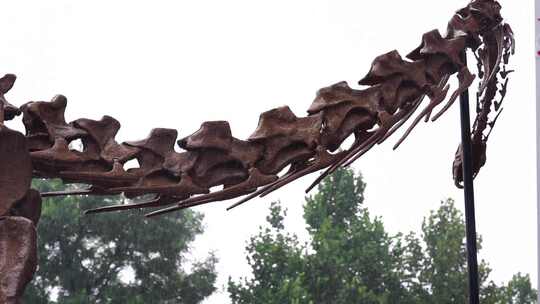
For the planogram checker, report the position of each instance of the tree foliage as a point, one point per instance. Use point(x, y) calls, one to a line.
point(116, 257)
point(350, 258)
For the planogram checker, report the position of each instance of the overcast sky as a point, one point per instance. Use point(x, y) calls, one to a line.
point(175, 64)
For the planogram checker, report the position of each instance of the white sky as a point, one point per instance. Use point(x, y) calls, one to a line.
point(176, 64)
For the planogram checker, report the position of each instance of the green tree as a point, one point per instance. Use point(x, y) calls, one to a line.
point(441, 267)
point(519, 290)
point(350, 258)
point(276, 260)
point(116, 257)
point(350, 247)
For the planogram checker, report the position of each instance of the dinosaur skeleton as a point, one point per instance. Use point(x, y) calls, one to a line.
point(395, 89)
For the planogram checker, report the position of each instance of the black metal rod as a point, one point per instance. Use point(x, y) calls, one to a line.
point(468, 190)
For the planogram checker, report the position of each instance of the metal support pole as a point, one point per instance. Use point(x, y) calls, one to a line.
point(470, 222)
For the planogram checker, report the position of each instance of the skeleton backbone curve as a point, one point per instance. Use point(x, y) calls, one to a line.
point(283, 147)
point(395, 90)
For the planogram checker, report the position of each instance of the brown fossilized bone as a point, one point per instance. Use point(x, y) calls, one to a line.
point(19, 257)
point(283, 148)
point(395, 88)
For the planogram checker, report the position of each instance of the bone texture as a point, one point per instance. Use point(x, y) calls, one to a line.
point(214, 165)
